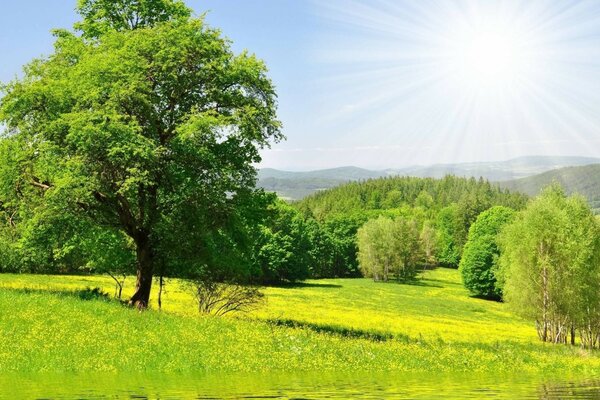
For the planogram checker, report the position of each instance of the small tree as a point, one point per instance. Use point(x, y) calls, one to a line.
point(406, 243)
point(480, 255)
point(373, 253)
point(429, 242)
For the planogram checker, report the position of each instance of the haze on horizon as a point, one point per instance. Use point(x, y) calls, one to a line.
point(387, 84)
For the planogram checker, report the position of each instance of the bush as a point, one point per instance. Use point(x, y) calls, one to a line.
point(221, 298)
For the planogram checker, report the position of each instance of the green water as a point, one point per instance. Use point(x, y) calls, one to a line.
point(361, 385)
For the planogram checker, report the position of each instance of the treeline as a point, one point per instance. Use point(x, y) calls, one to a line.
point(266, 240)
point(431, 217)
point(393, 192)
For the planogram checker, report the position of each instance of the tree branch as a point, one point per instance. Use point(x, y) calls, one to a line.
point(39, 184)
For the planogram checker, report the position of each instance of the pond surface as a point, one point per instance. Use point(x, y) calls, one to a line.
point(361, 385)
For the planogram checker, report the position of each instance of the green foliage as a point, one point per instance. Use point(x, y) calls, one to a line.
point(429, 242)
point(478, 262)
point(389, 247)
point(146, 135)
point(342, 233)
point(444, 209)
point(103, 16)
point(449, 241)
point(551, 268)
point(283, 252)
point(392, 192)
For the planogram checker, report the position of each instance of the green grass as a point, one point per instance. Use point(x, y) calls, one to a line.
point(341, 325)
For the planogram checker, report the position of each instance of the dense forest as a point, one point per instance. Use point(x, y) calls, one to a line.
point(393, 192)
point(509, 174)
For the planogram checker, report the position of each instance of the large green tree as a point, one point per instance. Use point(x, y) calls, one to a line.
point(142, 121)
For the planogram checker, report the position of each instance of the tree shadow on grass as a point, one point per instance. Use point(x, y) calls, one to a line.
point(413, 282)
point(496, 299)
point(346, 332)
point(81, 294)
point(418, 282)
point(301, 285)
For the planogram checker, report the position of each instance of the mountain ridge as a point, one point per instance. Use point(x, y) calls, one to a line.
point(295, 185)
point(583, 180)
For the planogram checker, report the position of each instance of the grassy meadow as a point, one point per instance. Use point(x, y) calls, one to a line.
point(336, 324)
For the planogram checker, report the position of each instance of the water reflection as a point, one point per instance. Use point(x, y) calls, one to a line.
point(297, 386)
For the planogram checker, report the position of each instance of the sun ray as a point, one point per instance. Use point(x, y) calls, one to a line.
point(462, 80)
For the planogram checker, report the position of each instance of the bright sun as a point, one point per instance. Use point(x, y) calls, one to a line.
point(486, 56)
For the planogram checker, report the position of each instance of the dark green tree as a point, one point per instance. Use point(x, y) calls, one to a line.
point(283, 248)
point(449, 229)
point(342, 232)
point(478, 264)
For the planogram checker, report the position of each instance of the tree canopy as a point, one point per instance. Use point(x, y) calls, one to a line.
point(145, 125)
point(102, 16)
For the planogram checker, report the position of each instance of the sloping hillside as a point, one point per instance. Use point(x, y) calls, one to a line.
point(584, 180)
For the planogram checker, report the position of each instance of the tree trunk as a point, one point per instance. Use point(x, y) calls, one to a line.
point(145, 266)
point(545, 297)
point(160, 291)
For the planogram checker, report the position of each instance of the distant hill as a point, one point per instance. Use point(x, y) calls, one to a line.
point(297, 185)
point(341, 173)
point(499, 170)
point(584, 180)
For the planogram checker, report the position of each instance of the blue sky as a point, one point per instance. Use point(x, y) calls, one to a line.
point(385, 83)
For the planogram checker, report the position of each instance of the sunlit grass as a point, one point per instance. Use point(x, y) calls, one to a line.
point(436, 307)
point(338, 324)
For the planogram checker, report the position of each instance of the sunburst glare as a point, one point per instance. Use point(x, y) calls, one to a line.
point(488, 55)
point(437, 81)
